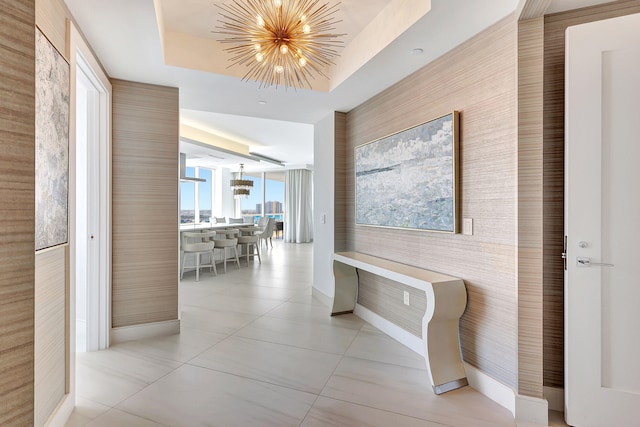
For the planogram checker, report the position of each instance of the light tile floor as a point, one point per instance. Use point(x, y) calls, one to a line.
point(256, 349)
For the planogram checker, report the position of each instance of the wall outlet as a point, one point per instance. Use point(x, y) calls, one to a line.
point(406, 298)
point(467, 226)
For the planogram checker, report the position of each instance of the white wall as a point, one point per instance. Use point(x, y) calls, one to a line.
point(323, 202)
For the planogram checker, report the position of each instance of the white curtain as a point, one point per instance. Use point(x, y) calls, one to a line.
point(298, 206)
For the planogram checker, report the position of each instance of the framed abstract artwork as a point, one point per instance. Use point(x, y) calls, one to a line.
point(52, 145)
point(409, 179)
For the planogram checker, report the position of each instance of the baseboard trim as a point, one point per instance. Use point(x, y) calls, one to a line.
point(527, 411)
point(394, 331)
point(62, 413)
point(147, 330)
point(555, 397)
point(501, 394)
point(325, 299)
point(531, 411)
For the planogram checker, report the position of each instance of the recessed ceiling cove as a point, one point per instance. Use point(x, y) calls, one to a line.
point(189, 38)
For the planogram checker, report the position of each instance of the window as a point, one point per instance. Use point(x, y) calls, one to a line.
point(196, 197)
point(187, 199)
point(204, 194)
point(274, 195)
point(252, 205)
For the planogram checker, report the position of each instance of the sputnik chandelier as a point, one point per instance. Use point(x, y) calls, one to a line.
point(282, 42)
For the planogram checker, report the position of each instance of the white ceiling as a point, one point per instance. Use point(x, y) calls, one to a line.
point(274, 122)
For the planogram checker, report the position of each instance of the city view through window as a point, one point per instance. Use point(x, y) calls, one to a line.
point(196, 199)
point(273, 197)
point(195, 208)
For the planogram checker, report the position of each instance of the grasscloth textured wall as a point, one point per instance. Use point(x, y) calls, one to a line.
point(373, 289)
point(145, 204)
point(340, 198)
point(479, 79)
point(17, 210)
point(530, 206)
point(50, 331)
point(51, 18)
point(554, 53)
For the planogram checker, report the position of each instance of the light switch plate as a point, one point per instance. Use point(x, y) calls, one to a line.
point(406, 298)
point(467, 226)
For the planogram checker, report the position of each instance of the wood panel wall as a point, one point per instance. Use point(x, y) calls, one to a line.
point(479, 78)
point(554, 56)
point(530, 207)
point(17, 210)
point(50, 331)
point(145, 204)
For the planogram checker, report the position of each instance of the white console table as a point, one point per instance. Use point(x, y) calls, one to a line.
point(446, 301)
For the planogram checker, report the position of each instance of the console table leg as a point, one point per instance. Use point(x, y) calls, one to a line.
point(346, 288)
point(442, 352)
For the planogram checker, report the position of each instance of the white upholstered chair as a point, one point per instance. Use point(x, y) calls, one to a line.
point(223, 242)
point(250, 239)
point(198, 244)
point(267, 232)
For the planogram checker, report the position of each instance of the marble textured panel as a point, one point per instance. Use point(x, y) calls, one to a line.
point(52, 145)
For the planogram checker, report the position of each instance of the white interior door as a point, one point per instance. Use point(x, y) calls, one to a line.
point(92, 209)
point(602, 289)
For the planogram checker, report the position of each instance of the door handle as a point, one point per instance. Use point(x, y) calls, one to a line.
point(583, 261)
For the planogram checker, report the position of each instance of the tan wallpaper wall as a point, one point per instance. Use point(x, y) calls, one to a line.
point(555, 26)
point(479, 78)
point(145, 204)
point(530, 206)
point(51, 329)
point(386, 298)
point(17, 210)
point(340, 196)
point(51, 18)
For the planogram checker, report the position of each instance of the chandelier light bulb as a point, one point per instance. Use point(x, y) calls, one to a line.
point(277, 3)
point(306, 29)
point(284, 49)
point(302, 62)
point(260, 21)
point(278, 69)
point(257, 47)
point(259, 57)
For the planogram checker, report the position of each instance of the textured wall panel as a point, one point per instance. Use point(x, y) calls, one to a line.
point(478, 79)
point(530, 300)
point(51, 18)
point(50, 335)
point(145, 203)
point(554, 53)
point(340, 173)
point(386, 298)
point(17, 210)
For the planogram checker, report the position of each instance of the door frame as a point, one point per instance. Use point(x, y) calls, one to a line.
point(82, 57)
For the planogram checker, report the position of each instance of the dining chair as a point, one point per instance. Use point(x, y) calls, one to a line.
point(267, 233)
point(192, 242)
point(222, 242)
point(249, 239)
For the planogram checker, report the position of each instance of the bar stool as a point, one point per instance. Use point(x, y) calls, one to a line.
point(223, 243)
point(201, 245)
point(249, 239)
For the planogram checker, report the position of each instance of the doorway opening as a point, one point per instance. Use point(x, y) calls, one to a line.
point(92, 222)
